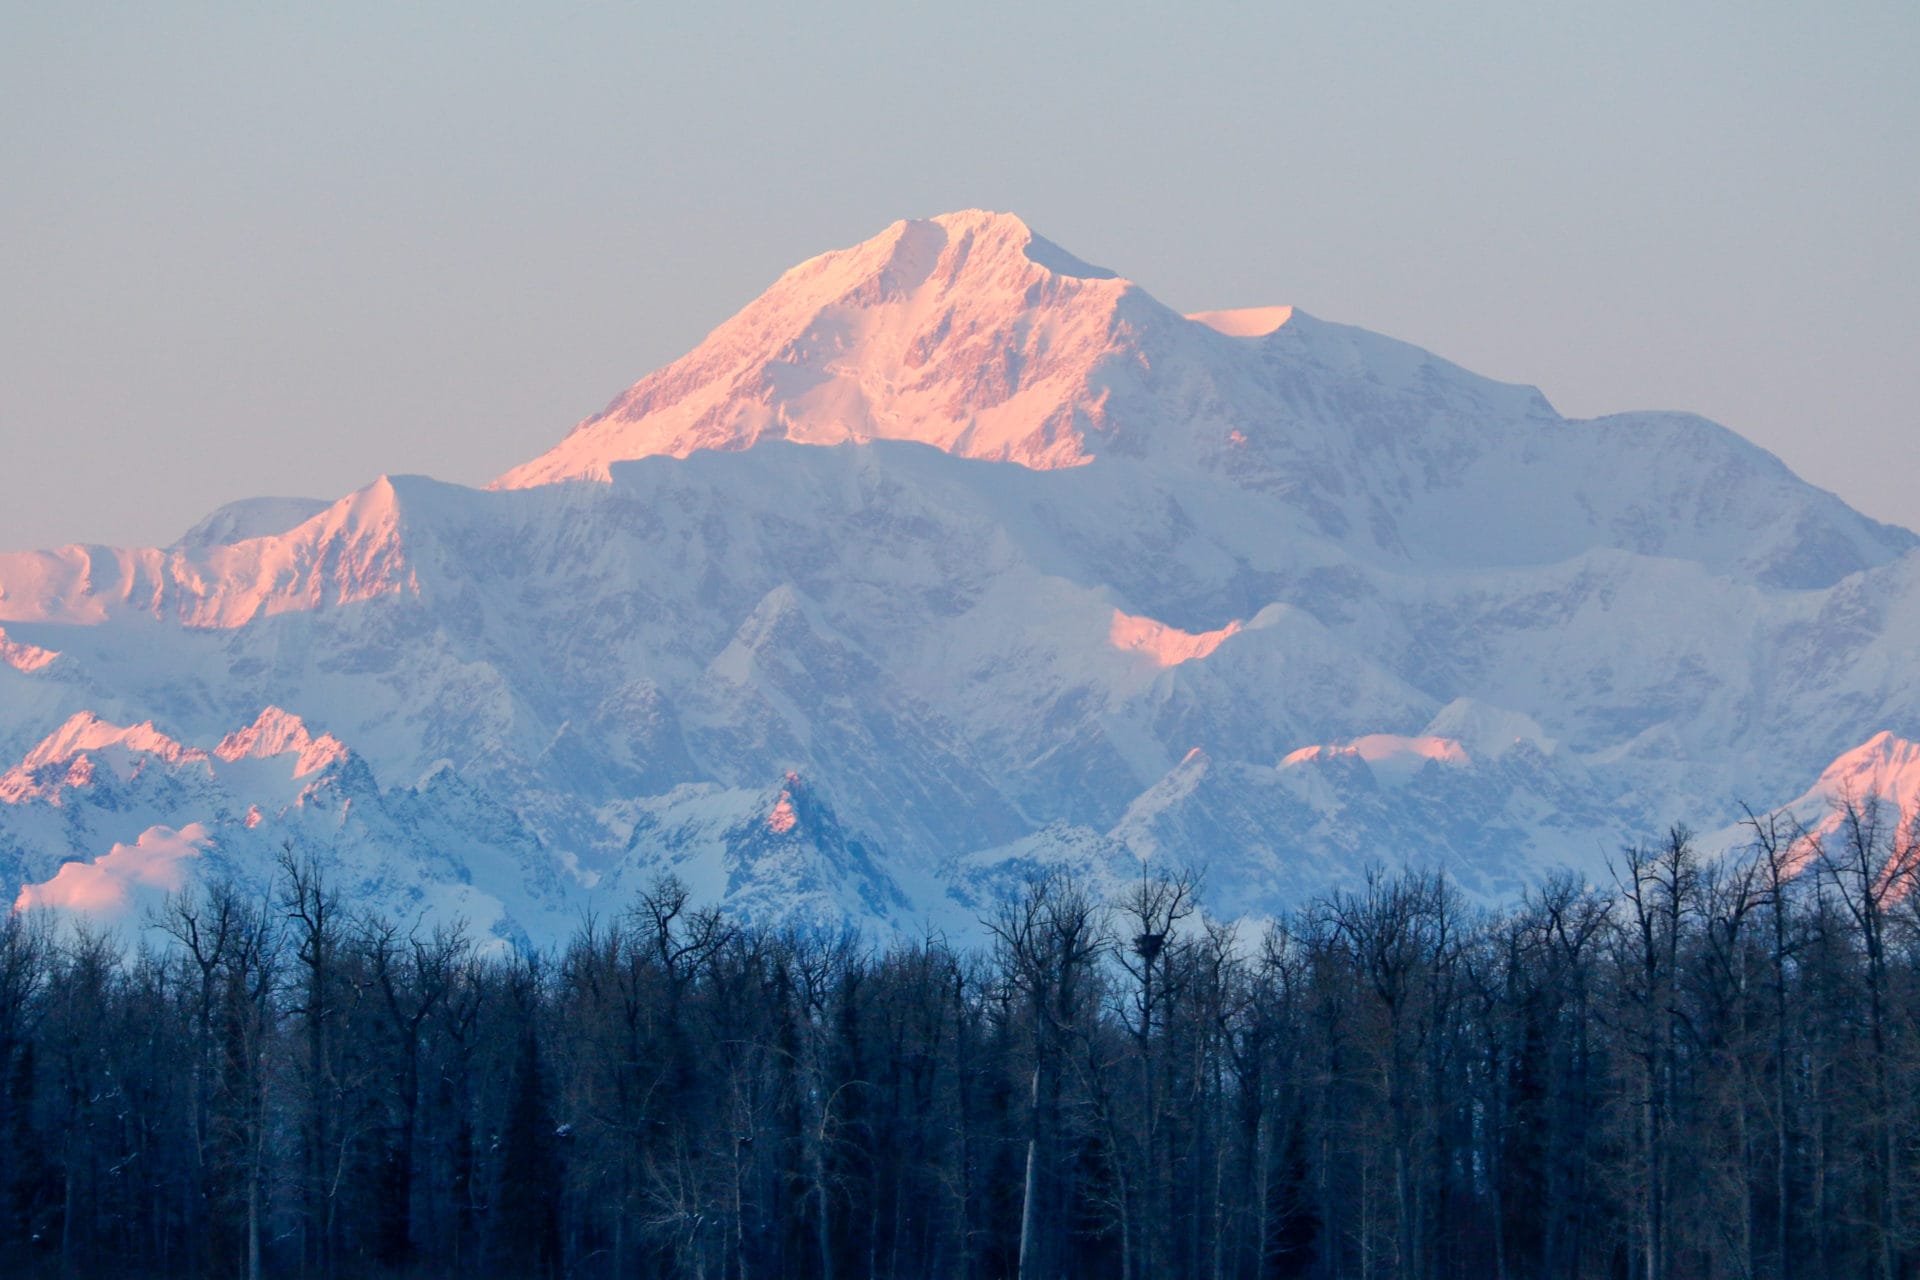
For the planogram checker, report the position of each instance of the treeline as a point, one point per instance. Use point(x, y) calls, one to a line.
point(1702, 1069)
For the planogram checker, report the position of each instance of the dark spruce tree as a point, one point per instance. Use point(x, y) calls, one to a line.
point(526, 1199)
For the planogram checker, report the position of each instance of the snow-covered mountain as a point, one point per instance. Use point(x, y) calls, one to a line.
point(948, 556)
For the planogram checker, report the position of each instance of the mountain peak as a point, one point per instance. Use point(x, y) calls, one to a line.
point(988, 237)
point(276, 732)
point(967, 332)
point(970, 333)
point(86, 731)
point(63, 757)
point(22, 656)
point(1885, 766)
point(1012, 230)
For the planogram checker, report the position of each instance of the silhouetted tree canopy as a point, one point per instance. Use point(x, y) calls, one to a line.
point(1699, 1069)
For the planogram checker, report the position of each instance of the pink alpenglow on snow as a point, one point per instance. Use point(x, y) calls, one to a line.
point(74, 744)
point(349, 553)
point(86, 736)
point(23, 657)
point(1247, 322)
point(277, 732)
point(966, 332)
point(1885, 771)
point(85, 731)
point(1391, 757)
point(876, 530)
point(1884, 766)
point(783, 819)
point(1167, 646)
point(158, 862)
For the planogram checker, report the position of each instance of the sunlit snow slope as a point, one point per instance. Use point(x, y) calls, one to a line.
point(948, 557)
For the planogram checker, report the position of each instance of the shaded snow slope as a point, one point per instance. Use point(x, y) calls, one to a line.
point(251, 518)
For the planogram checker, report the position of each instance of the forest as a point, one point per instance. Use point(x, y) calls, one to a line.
point(1700, 1067)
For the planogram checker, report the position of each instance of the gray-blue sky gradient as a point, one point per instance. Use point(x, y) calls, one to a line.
point(248, 251)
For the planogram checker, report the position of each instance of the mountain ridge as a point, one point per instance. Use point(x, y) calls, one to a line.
point(1274, 591)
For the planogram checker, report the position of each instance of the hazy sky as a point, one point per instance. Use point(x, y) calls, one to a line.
point(250, 251)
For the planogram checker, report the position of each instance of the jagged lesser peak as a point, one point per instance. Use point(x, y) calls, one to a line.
point(278, 732)
point(349, 551)
point(84, 731)
point(64, 758)
point(1871, 792)
point(24, 657)
point(1884, 768)
point(275, 732)
point(966, 331)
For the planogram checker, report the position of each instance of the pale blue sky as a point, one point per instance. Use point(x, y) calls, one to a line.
point(250, 251)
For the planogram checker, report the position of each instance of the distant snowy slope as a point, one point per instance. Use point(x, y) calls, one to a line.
point(251, 518)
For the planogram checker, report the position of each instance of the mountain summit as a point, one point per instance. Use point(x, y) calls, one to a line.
point(947, 558)
point(970, 333)
point(967, 332)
